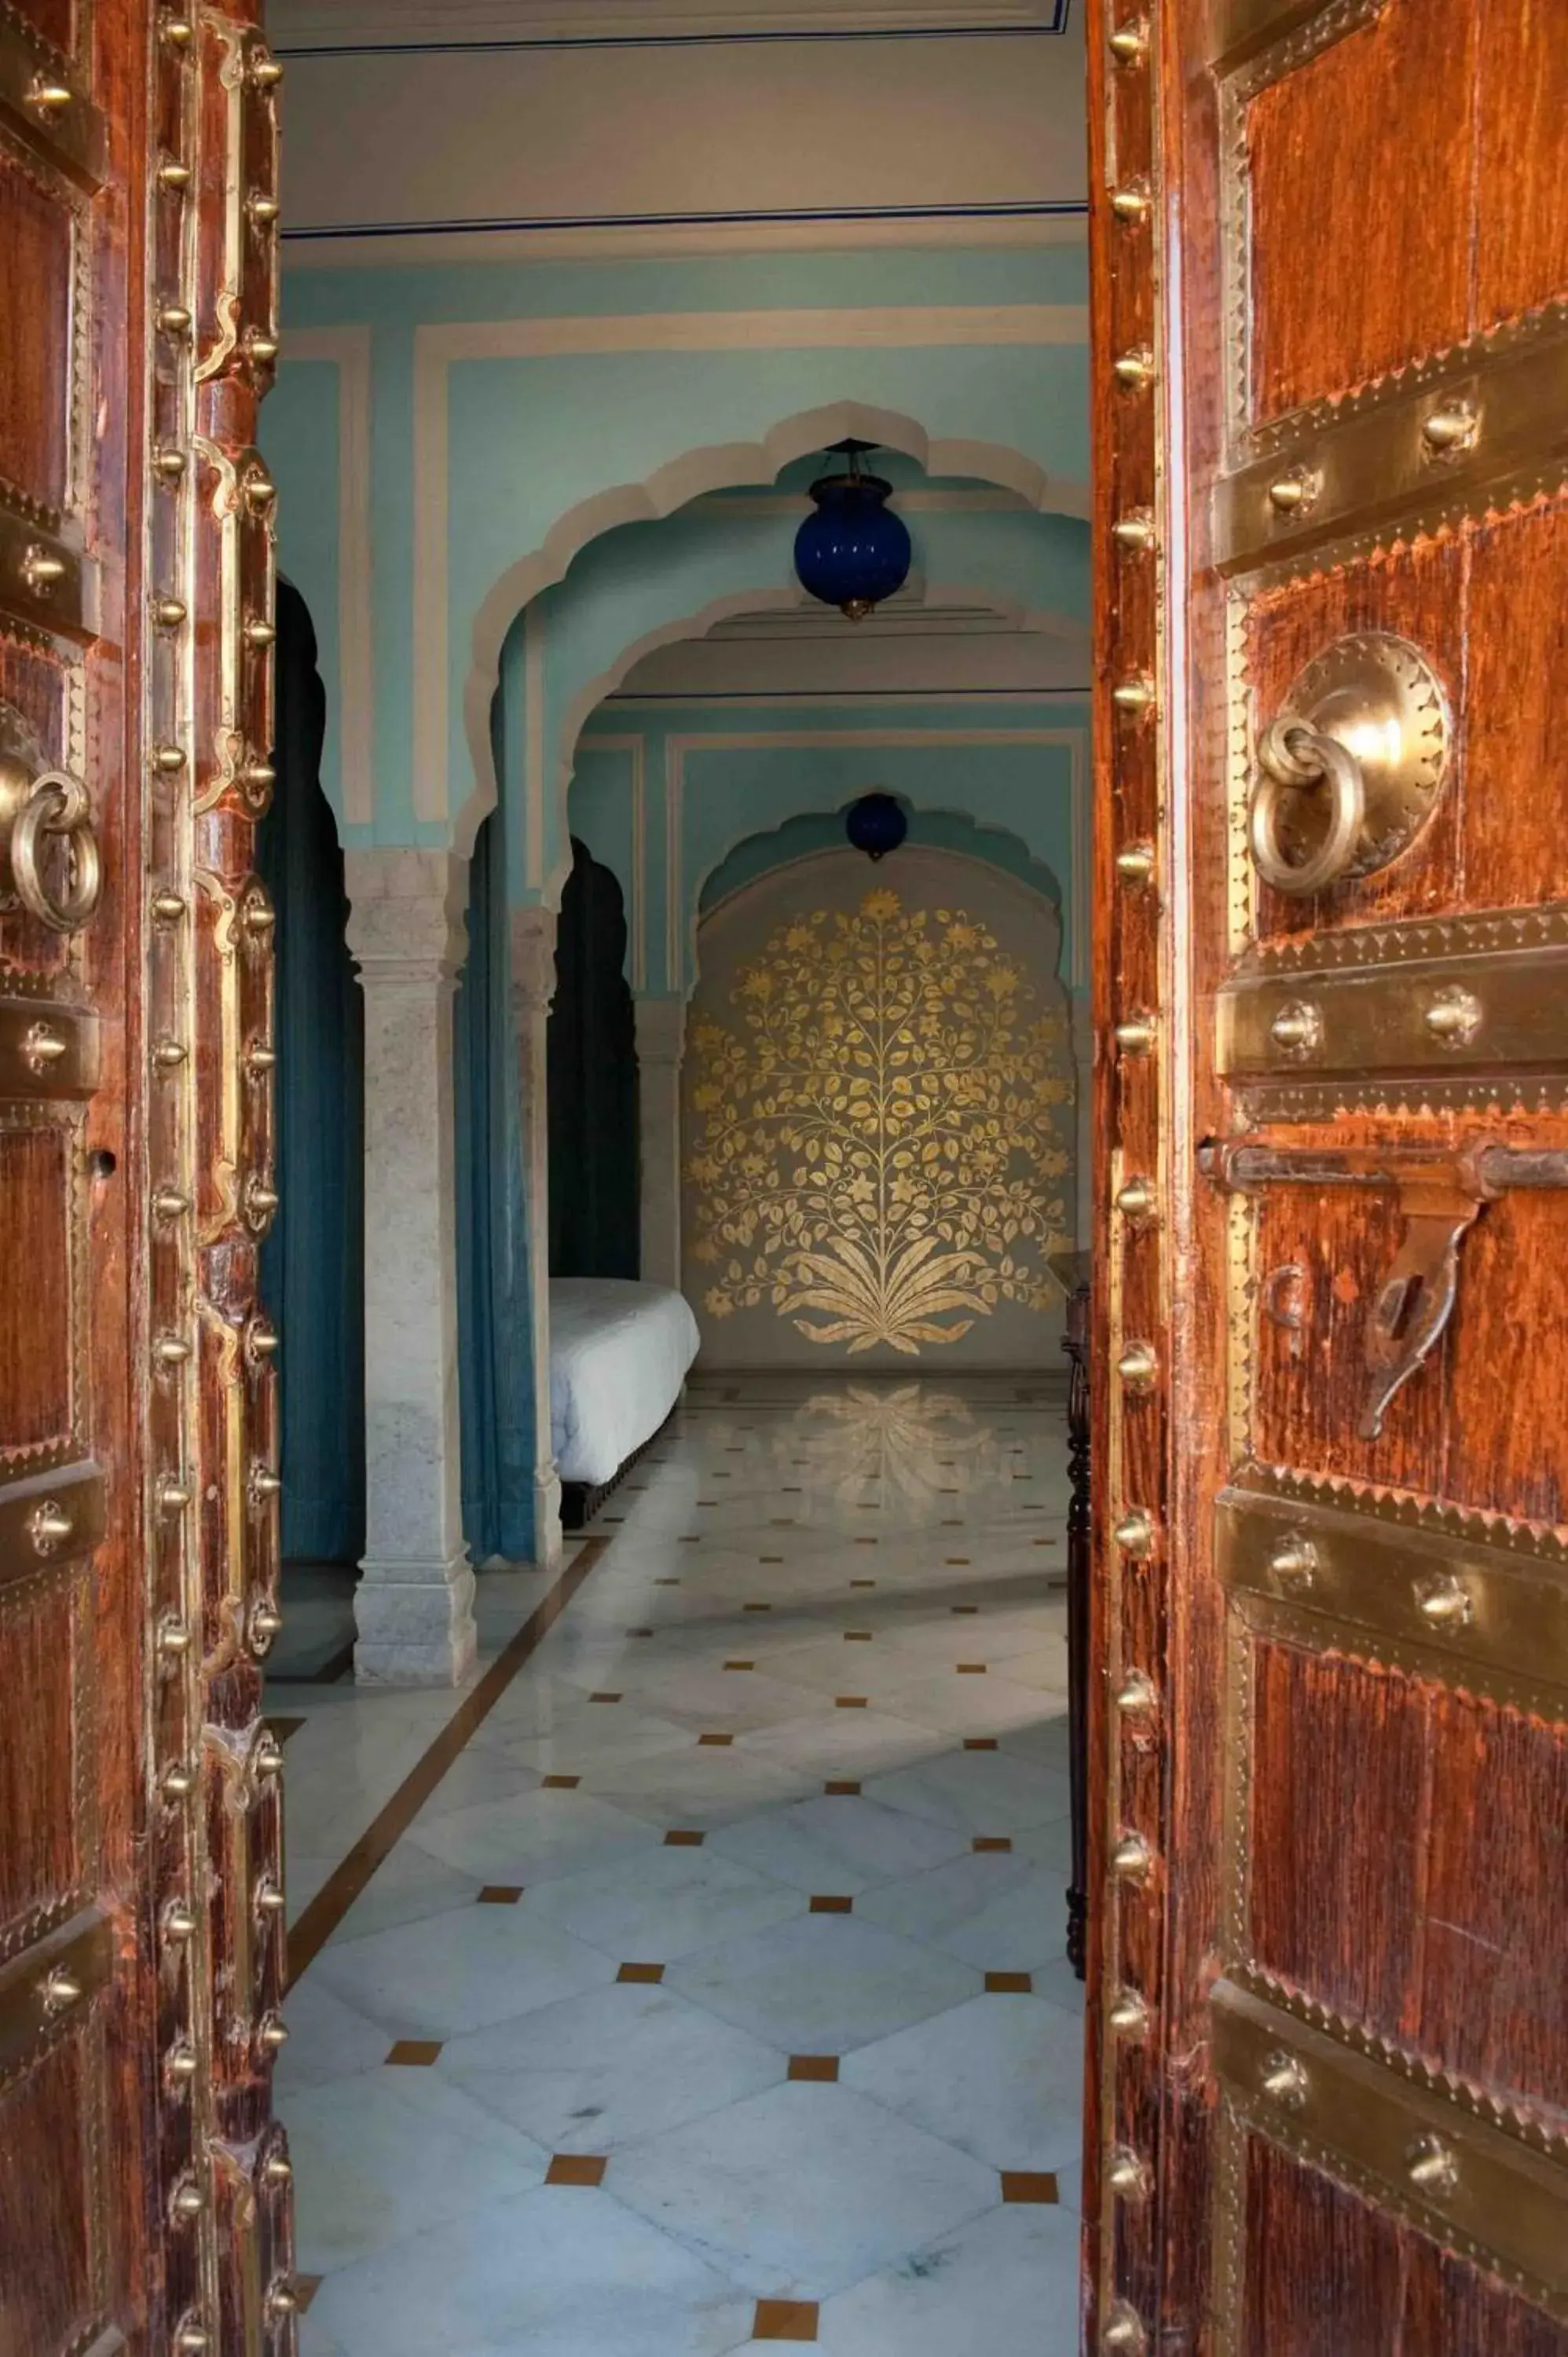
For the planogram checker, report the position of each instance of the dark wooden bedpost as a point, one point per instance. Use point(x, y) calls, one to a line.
point(1073, 1268)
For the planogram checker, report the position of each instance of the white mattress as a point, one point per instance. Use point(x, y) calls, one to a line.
point(619, 1356)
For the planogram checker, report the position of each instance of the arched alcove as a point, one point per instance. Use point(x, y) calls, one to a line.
point(312, 1261)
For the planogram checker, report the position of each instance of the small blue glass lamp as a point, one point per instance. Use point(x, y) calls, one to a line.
point(854, 552)
point(876, 824)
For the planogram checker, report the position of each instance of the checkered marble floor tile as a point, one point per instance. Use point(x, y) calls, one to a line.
point(717, 1995)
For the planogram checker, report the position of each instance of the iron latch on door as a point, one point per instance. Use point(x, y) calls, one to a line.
point(1441, 1197)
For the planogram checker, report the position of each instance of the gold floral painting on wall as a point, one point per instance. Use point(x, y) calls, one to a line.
point(879, 1134)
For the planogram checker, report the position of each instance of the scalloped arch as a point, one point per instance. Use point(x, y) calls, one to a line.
point(713, 466)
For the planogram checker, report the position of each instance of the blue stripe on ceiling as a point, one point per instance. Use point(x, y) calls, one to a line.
point(681, 40)
point(1054, 209)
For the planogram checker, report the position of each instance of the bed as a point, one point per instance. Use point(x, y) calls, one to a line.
point(619, 1356)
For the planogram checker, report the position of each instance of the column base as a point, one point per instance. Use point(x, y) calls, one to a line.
point(416, 1623)
point(548, 1538)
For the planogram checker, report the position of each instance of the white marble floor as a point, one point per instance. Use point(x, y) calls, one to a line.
point(717, 1995)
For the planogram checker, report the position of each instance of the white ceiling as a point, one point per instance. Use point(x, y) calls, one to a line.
point(907, 646)
point(312, 23)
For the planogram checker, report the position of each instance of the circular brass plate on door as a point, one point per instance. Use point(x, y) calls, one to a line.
point(1376, 698)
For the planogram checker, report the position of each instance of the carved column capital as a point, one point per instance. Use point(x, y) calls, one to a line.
point(406, 915)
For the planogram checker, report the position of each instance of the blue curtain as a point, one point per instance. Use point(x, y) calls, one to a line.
point(594, 1147)
point(312, 1268)
point(494, 1338)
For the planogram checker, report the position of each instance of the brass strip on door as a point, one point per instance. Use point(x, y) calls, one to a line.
point(49, 1519)
point(1501, 1009)
point(1420, 2148)
point(1473, 428)
point(1487, 1606)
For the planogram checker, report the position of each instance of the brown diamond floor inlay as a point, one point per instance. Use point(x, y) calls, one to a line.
point(639, 1632)
point(992, 1841)
point(684, 1839)
point(972, 1669)
point(501, 1894)
point(769, 1558)
point(559, 1784)
point(667, 1581)
point(648, 1975)
point(850, 1702)
point(868, 1541)
point(759, 1608)
point(415, 2053)
point(1028, 2185)
point(740, 1665)
point(857, 1636)
point(839, 1787)
point(963, 1608)
point(1009, 1983)
point(822, 2069)
point(604, 1697)
point(577, 2168)
point(980, 1743)
point(832, 1906)
point(785, 2319)
point(715, 1740)
point(956, 1561)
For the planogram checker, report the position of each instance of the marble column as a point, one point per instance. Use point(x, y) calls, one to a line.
point(661, 1045)
point(414, 1602)
point(532, 989)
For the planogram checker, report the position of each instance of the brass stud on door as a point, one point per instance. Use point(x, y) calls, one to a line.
point(176, 1783)
point(1135, 862)
point(1135, 1034)
point(60, 1990)
point(1134, 1533)
point(174, 1497)
point(174, 1638)
point(1284, 2082)
point(1135, 1199)
point(1125, 2175)
point(180, 2062)
point(186, 2201)
point(1124, 2334)
point(262, 210)
point(1454, 1017)
point(192, 2341)
point(174, 177)
point(1129, 44)
point(168, 1205)
point(1294, 1561)
point(1451, 429)
point(169, 759)
point(270, 1899)
point(1135, 530)
point(1136, 1694)
point(168, 613)
point(1133, 695)
point(1131, 1858)
point(1129, 2016)
point(1297, 1028)
point(1138, 1366)
point(174, 320)
point(41, 572)
point(1433, 2166)
point(1134, 369)
point(268, 1758)
point(170, 1351)
point(265, 70)
point(1133, 203)
point(260, 632)
point(1296, 492)
point(273, 2033)
point(176, 31)
point(168, 462)
point(48, 97)
point(1445, 1602)
point(278, 2169)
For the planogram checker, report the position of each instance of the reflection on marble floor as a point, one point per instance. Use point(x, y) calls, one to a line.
point(718, 1996)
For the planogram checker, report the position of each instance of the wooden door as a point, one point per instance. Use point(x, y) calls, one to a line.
point(143, 2190)
point(1329, 2043)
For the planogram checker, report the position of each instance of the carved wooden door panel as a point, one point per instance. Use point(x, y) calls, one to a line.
point(1329, 2047)
point(144, 2187)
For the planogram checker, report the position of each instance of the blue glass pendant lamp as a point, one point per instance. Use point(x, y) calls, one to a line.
point(876, 824)
point(852, 552)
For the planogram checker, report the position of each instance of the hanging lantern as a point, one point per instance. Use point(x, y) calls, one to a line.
point(876, 824)
point(854, 552)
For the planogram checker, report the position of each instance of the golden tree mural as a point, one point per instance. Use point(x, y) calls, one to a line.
point(876, 1143)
